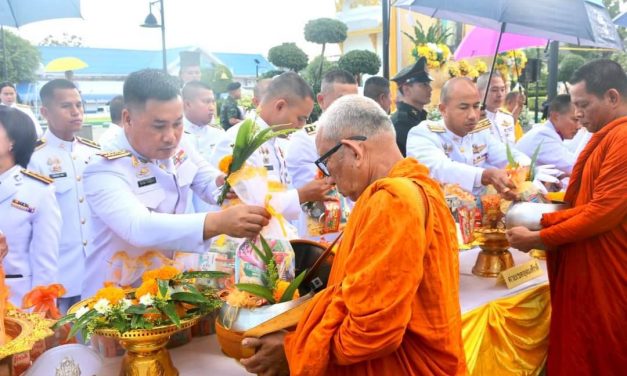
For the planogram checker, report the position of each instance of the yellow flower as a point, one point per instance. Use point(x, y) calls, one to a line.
point(281, 286)
point(481, 67)
point(453, 70)
point(225, 163)
point(112, 293)
point(147, 287)
point(164, 272)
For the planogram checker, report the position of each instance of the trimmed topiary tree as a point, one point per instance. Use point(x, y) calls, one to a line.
point(288, 56)
point(359, 62)
point(323, 31)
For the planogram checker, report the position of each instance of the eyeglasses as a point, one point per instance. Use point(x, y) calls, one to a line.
point(321, 162)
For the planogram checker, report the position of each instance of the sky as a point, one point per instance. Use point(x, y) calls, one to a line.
point(247, 26)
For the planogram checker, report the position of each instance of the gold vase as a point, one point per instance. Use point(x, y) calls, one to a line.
point(494, 256)
point(146, 354)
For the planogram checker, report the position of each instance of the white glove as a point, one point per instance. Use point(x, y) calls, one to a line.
point(547, 172)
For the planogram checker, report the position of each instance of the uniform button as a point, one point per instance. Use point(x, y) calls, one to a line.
point(78, 178)
point(83, 221)
point(81, 199)
point(84, 242)
point(74, 157)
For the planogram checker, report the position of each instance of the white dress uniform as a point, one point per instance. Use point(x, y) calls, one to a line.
point(270, 155)
point(204, 138)
point(553, 151)
point(502, 126)
point(138, 212)
point(107, 139)
point(64, 162)
point(458, 160)
point(31, 222)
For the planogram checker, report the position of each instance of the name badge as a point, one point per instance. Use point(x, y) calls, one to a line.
point(58, 175)
point(145, 182)
point(519, 274)
point(269, 167)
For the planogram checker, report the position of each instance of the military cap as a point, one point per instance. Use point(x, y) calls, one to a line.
point(233, 86)
point(413, 73)
point(189, 58)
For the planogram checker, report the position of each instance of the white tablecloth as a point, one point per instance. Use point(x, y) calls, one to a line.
point(202, 356)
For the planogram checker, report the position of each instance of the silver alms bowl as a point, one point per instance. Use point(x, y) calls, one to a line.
point(529, 214)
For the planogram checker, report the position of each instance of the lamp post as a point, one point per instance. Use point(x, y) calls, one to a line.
point(257, 62)
point(151, 22)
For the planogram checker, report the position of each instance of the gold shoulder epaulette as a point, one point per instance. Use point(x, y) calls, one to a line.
point(216, 126)
point(88, 142)
point(111, 155)
point(40, 143)
point(481, 126)
point(435, 127)
point(36, 176)
point(311, 129)
point(505, 111)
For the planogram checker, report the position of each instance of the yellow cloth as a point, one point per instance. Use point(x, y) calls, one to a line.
point(508, 336)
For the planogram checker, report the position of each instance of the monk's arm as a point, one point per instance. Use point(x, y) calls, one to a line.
point(381, 280)
point(606, 210)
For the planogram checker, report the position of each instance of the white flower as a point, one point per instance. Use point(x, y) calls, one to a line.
point(125, 303)
point(81, 311)
point(146, 299)
point(102, 306)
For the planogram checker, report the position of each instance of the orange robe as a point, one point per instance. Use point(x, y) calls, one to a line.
point(391, 306)
point(588, 268)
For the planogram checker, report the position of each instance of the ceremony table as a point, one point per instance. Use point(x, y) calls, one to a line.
point(505, 332)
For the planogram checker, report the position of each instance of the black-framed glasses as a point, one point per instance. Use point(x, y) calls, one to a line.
point(321, 162)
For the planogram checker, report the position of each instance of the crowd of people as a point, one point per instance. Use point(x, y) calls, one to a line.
point(83, 213)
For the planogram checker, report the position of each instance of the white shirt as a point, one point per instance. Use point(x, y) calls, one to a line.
point(65, 162)
point(458, 160)
point(270, 155)
point(31, 222)
point(502, 126)
point(301, 155)
point(138, 212)
point(553, 151)
point(108, 137)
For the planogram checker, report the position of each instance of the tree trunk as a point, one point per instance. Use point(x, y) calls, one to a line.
point(321, 64)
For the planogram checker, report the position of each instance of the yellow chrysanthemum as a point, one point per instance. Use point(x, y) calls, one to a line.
point(481, 67)
point(147, 287)
point(281, 286)
point(225, 163)
point(112, 293)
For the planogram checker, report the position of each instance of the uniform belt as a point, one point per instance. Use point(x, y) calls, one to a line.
point(13, 276)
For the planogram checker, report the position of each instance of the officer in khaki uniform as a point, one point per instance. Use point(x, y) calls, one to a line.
point(414, 87)
point(30, 219)
point(458, 149)
point(502, 124)
point(62, 156)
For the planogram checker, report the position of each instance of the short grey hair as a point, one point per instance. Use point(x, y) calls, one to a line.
point(484, 80)
point(354, 115)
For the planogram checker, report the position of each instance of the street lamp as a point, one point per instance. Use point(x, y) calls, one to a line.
point(151, 22)
point(257, 62)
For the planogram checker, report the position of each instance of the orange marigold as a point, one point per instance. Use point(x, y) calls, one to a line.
point(167, 272)
point(281, 286)
point(225, 163)
point(147, 287)
point(112, 293)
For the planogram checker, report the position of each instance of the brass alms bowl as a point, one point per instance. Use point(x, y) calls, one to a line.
point(494, 256)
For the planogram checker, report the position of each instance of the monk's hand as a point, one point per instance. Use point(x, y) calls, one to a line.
point(239, 221)
point(4, 248)
point(523, 239)
point(501, 182)
point(315, 190)
point(270, 359)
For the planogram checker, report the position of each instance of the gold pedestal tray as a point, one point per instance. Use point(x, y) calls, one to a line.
point(538, 254)
point(494, 256)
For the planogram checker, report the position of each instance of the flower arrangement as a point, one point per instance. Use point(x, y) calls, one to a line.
point(249, 138)
point(165, 297)
point(511, 63)
point(465, 68)
point(523, 176)
point(430, 44)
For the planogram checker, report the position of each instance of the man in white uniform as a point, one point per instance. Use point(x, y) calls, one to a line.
point(288, 103)
point(502, 124)
point(115, 111)
point(458, 150)
point(62, 156)
point(562, 125)
point(138, 194)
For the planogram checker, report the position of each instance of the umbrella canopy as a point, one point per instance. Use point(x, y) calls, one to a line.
point(63, 64)
point(621, 19)
point(581, 22)
point(16, 13)
point(482, 42)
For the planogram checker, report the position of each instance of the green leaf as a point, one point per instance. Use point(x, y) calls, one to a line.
point(266, 248)
point(169, 310)
point(203, 274)
point(189, 297)
point(64, 320)
point(534, 158)
point(510, 157)
point(260, 291)
point(261, 255)
point(163, 287)
point(139, 309)
point(288, 294)
point(81, 322)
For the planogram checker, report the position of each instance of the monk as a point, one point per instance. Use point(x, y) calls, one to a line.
point(587, 244)
point(391, 306)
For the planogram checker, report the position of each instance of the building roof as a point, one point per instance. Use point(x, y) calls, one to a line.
point(120, 62)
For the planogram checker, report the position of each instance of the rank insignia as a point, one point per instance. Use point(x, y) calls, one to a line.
point(476, 149)
point(40, 143)
point(179, 157)
point(88, 142)
point(22, 206)
point(144, 171)
point(36, 176)
point(54, 164)
point(111, 155)
point(311, 129)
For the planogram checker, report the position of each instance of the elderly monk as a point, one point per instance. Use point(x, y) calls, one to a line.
point(587, 257)
point(391, 306)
